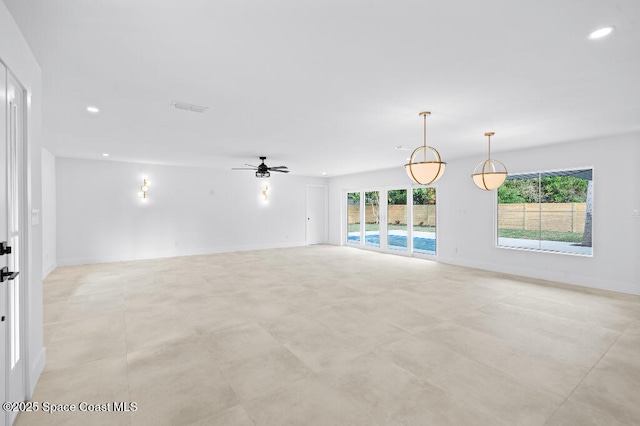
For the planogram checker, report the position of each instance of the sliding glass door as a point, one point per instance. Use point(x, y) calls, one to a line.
point(398, 220)
point(424, 220)
point(372, 218)
point(353, 218)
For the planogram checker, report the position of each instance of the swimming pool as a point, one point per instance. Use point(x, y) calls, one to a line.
point(420, 245)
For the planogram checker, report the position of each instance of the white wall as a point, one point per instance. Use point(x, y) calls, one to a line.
point(16, 55)
point(48, 213)
point(189, 211)
point(466, 215)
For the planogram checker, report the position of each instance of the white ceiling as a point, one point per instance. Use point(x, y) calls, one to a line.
point(329, 86)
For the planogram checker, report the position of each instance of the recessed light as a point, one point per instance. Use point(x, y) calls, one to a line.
point(324, 173)
point(600, 33)
point(104, 154)
point(402, 148)
point(93, 109)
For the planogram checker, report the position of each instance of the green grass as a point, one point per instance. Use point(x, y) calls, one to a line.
point(568, 237)
point(375, 227)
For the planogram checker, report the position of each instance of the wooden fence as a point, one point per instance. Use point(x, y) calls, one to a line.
point(423, 215)
point(564, 217)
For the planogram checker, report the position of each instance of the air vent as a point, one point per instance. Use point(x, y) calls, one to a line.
point(189, 107)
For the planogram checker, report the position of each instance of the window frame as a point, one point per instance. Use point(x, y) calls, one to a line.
point(496, 226)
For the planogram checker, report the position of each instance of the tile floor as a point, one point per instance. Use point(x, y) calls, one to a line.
point(327, 335)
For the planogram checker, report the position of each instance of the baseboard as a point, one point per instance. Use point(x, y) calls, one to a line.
point(175, 253)
point(36, 370)
point(563, 278)
point(571, 279)
point(48, 269)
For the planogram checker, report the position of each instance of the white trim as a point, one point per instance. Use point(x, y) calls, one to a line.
point(540, 250)
point(36, 370)
point(49, 269)
point(325, 237)
point(165, 254)
point(565, 278)
point(383, 247)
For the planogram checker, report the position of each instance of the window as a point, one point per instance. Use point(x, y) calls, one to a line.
point(372, 218)
point(397, 219)
point(392, 220)
point(550, 211)
point(353, 217)
point(424, 220)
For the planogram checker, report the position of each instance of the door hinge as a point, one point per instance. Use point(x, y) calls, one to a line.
point(4, 248)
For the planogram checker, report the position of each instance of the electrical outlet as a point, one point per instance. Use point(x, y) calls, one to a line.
point(35, 217)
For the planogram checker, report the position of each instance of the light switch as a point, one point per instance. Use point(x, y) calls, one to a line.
point(35, 217)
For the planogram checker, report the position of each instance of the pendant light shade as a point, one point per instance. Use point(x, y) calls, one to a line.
point(489, 174)
point(426, 171)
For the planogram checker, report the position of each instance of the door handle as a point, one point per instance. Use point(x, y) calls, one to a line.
point(4, 248)
point(6, 275)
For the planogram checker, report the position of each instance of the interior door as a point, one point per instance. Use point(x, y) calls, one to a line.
point(4, 290)
point(317, 226)
point(13, 283)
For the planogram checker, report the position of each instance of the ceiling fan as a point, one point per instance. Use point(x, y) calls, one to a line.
point(262, 170)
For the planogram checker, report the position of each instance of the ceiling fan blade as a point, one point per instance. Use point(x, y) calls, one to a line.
point(281, 171)
point(251, 165)
point(278, 167)
point(243, 168)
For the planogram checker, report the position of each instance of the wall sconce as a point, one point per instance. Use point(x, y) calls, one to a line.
point(265, 192)
point(144, 188)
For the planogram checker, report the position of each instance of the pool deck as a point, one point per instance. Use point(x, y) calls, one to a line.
point(513, 243)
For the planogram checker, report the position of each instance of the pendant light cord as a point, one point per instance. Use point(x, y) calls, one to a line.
point(425, 138)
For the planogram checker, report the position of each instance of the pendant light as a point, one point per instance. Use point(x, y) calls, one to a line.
point(489, 174)
point(425, 172)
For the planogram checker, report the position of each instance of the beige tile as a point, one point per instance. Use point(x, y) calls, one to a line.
point(573, 413)
point(530, 335)
point(156, 325)
point(605, 316)
point(181, 406)
point(234, 416)
point(362, 331)
point(78, 342)
point(314, 344)
point(394, 395)
point(378, 306)
point(240, 338)
point(177, 383)
point(531, 368)
point(612, 388)
point(307, 402)
point(90, 305)
point(269, 371)
point(53, 291)
point(238, 343)
point(53, 311)
point(96, 383)
point(569, 330)
point(475, 384)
